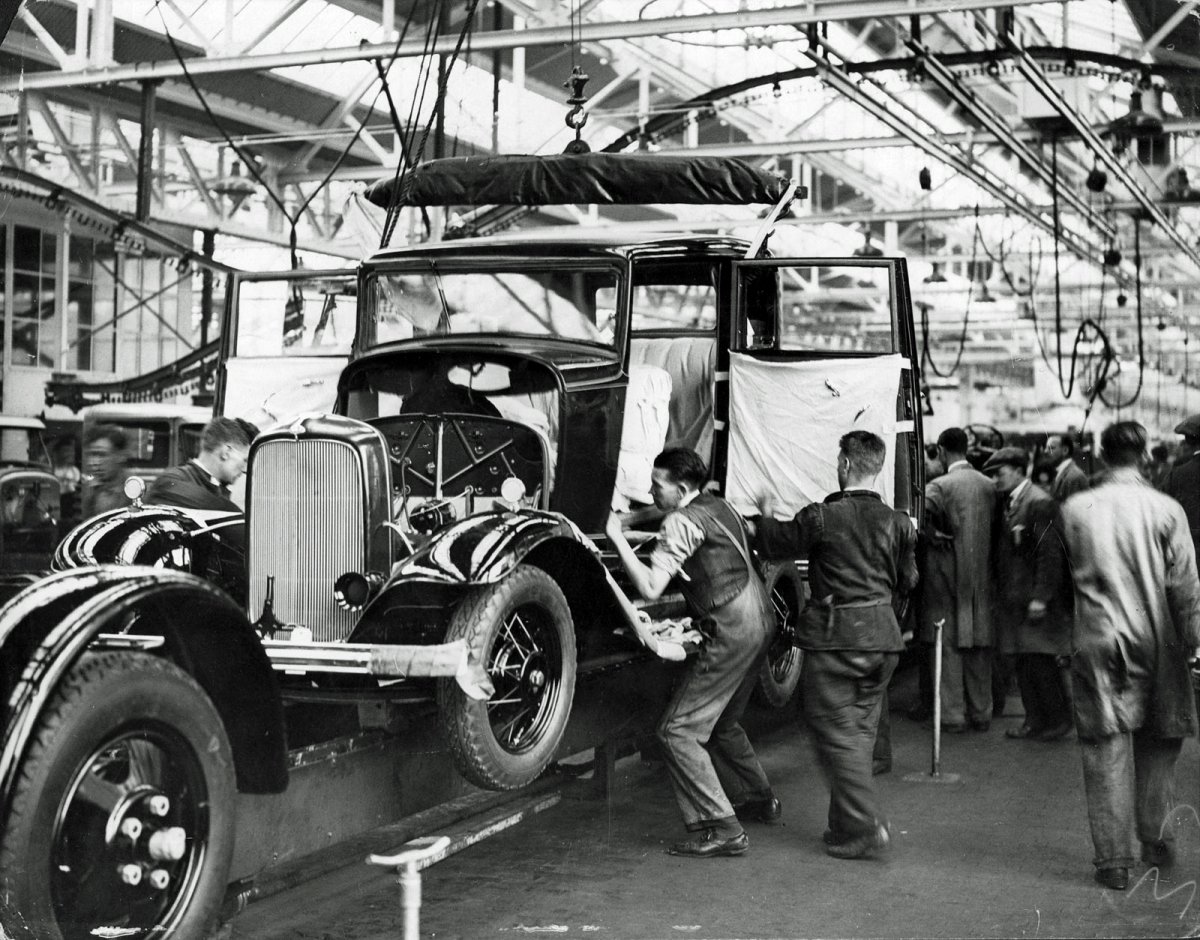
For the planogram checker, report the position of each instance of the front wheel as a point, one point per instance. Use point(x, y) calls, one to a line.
point(522, 632)
point(123, 813)
point(781, 672)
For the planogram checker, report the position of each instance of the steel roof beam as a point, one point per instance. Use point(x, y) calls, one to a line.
point(1036, 76)
point(842, 82)
point(981, 111)
point(814, 11)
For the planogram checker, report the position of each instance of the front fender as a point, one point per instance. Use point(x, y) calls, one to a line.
point(206, 543)
point(484, 549)
point(423, 589)
point(47, 627)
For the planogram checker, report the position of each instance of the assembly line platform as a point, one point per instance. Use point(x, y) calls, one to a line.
point(1004, 852)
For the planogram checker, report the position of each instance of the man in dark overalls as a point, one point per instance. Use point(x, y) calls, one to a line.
point(860, 556)
point(702, 542)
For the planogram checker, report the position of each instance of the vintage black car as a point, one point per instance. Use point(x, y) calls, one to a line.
point(433, 533)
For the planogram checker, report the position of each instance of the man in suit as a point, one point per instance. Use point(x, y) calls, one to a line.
point(1183, 481)
point(1068, 478)
point(1033, 616)
point(965, 499)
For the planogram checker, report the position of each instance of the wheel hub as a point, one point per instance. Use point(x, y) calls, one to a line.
point(138, 834)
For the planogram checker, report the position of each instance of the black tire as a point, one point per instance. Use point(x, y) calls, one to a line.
point(522, 632)
point(121, 730)
point(780, 675)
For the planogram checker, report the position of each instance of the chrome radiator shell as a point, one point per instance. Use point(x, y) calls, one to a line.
point(315, 507)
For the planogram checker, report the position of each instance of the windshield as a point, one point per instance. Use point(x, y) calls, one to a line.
point(555, 300)
point(23, 445)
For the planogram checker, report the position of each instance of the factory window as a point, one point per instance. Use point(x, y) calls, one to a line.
point(842, 309)
point(153, 314)
point(35, 324)
point(674, 297)
point(90, 304)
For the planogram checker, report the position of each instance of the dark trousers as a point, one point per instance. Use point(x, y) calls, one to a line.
point(1042, 691)
point(843, 691)
point(708, 756)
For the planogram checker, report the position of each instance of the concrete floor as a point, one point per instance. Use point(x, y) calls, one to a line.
point(1005, 852)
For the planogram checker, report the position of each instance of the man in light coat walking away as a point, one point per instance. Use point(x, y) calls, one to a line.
point(1137, 626)
point(966, 498)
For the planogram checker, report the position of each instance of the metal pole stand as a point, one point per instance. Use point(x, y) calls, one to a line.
point(935, 774)
point(424, 852)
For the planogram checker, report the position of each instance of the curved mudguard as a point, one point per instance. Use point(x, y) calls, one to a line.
point(482, 549)
point(205, 542)
point(46, 627)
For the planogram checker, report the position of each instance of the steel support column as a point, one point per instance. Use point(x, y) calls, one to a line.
point(145, 154)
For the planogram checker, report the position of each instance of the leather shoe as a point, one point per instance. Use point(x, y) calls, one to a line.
point(1025, 731)
point(763, 810)
point(710, 845)
point(1157, 853)
point(1055, 733)
point(981, 725)
point(860, 846)
point(1115, 878)
point(948, 728)
point(829, 837)
point(881, 767)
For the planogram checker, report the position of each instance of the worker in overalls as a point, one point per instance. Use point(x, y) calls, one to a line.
point(702, 543)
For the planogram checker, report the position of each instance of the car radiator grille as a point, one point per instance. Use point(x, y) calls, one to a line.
point(305, 529)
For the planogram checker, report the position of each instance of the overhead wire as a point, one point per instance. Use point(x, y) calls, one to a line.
point(249, 161)
point(926, 352)
point(418, 151)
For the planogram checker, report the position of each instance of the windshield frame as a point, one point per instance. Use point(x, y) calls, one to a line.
point(457, 265)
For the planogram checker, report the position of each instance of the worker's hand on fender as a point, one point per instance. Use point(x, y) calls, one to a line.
point(612, 528)
point(1037, 610)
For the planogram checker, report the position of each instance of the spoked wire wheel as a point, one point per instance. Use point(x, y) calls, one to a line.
point(521, 630)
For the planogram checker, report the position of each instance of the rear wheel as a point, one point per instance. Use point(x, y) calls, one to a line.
point(521, 631)
point(123, 813)
point(781, 672)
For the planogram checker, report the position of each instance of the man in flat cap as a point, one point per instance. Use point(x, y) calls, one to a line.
point(1183, 480)
point(1033, 610)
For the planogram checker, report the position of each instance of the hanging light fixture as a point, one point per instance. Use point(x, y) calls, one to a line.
point(935, 276)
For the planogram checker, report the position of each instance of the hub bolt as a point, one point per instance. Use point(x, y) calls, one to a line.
point(159, 805)
point(132, 828)
point(159, 879)
point(131, 874)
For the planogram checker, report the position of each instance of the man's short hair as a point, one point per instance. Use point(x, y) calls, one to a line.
point(953, 441)
point(106, 432)
point(1160, 452)
point(1123, 443)
point(220, 431)
point(1066, 441)
point(683, 465)
point(865, 451)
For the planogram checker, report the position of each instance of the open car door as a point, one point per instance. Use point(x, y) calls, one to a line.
point(287, 335)
point(819, 347)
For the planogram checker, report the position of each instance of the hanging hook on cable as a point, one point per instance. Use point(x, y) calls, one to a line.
point(577, 117)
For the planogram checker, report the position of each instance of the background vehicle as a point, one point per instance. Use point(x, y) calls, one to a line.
point(435, 539)
point(29, 498)
point(160, 436)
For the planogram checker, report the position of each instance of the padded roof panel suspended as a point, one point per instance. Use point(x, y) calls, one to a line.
point(581, 179)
